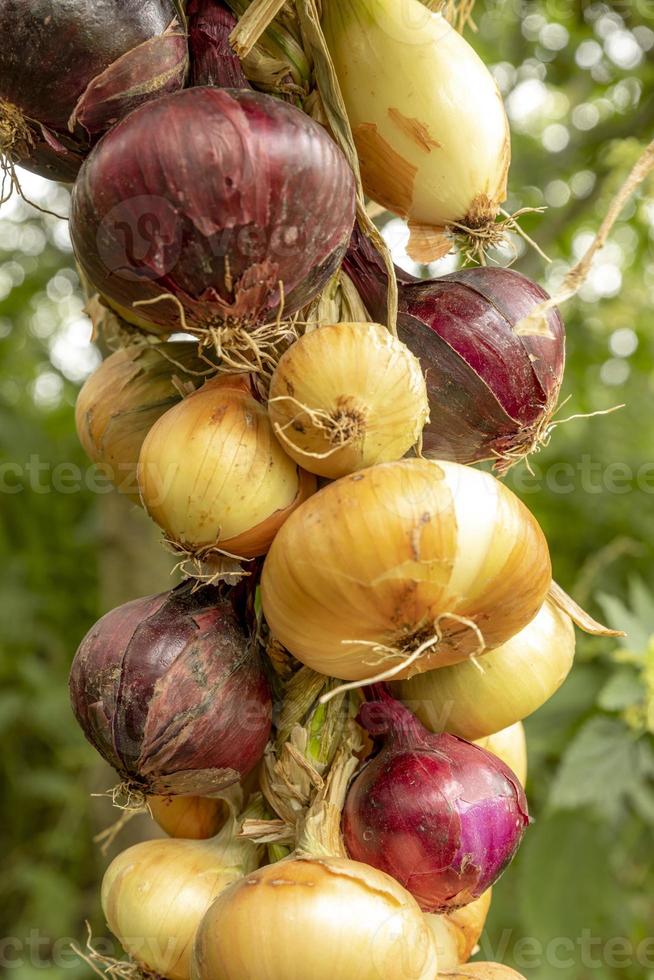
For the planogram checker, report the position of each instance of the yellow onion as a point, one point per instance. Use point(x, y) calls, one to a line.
point(155, 893)
point(346, 396)
point(509, 745)
point(189, 817)
point(214, 477)
point(457, 934)
point(426, 114)
point(482, 971)
point(406, 566)
point(124, 397)
point(511, 682)
point(326, 918)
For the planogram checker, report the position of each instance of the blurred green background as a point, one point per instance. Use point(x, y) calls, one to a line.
point(578, 79)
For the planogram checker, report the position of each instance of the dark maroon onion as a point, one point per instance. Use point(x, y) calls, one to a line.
point(171, 691)
point(213, 196)
point(70, 68)
point(491, 393)
point(440, 815)
point(213, 60)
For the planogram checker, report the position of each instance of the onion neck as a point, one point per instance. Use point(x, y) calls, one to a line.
point(321, 833)
point(387, 720)
point(234, 851)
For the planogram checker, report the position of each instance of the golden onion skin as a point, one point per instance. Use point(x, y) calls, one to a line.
point(120, 402)
point(213, 476)
point(390, 554)
point(457, 933)
point(514, 680)
point(324, 919)
point(509, 745)
point(188, 817)
point(367, 389)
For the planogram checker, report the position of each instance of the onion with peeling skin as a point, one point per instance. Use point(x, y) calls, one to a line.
point(70, 69)
point(408, 566)
point(215, 479)
point(347, 396)
point(213, 60)
point(427, 117)
point(171, 692)
point(508, 685)
point(215, 208)
point(120, 402)
point(442, 816)
point(492, 393)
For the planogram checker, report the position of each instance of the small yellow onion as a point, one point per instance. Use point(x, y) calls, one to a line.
point(482, 971)
point(124, 397)
point(509, 745)
point(189, 817)
point(346, 396)
point(511, 682)
point(414, 559)
point(214, 477)
point(155, 894)
point(457, 934)
point(321, 918)
point(427, 116)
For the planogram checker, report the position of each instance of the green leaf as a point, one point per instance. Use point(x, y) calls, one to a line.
point(620, 617)
point(621, 691)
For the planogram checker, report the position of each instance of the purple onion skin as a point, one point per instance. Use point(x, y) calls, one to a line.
point(213, 196)
point(171, 692)
point(491, 393)
point(73, 67)
point(440, 815)
point(213, 60)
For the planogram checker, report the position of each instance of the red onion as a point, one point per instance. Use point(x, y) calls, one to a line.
point(491, 393)
point(213, 60)
point(171, 692)
point(70, 68)
point(442, 816)
point(211, 197)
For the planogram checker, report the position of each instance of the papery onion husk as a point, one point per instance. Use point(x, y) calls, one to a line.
point(508, 685)
point(213, 60)
point(326, 918)
point(442, 816)
point(188, 817)
point(509, 745)
point(457, 933)
point(483, 971)
point(213, 476)
point(69, 70)
point(155, 893)
point(427, 117)
point(219, 208)
point(492, 393)
point(347, 396)
point(378, 564)
point(120, 402)
point(171, 691)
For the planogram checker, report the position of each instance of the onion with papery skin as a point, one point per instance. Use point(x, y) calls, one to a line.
point(120, 402)
point(435, 561)
point(213, 60)
point(509, 745)
point(188, 817)
point(214, 477)
point(171, 692)
point(482, 971)
point(508, 685)
point(317, 914)
point(442, 816)
point(70, 69)
point(155, 893)
point(457, 933)
point(492, 393)
point(202, 203)
point(346, 396)
point(426, 114)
